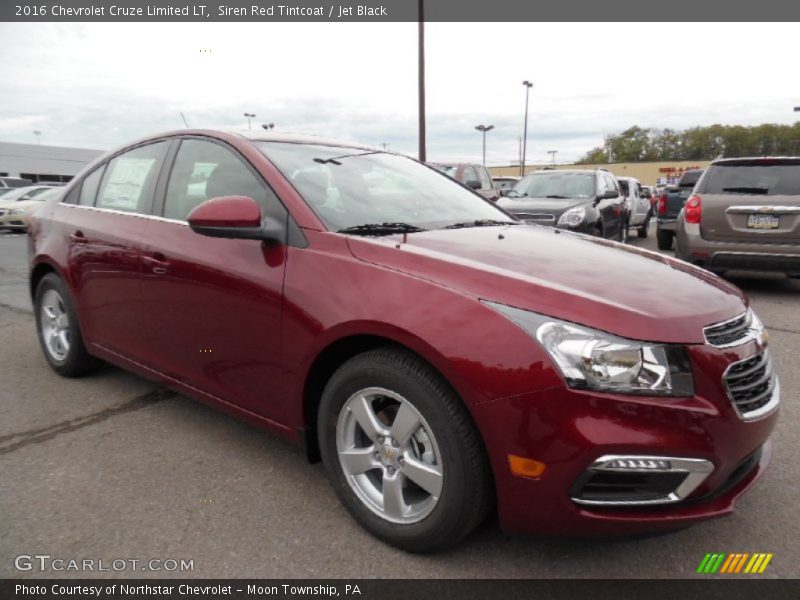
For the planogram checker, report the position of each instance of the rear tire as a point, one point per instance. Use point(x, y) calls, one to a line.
point(421, 485)
point(59, 331)
point(664, 239)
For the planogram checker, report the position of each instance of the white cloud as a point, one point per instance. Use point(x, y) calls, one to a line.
point(99, 85)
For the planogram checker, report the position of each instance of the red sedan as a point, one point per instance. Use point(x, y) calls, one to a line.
point(439, 356)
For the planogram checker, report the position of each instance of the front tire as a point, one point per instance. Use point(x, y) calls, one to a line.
point(59, 330)
point(402, 453)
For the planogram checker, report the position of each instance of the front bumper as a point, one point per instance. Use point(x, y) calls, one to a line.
point(569, 430)
point(15, 221)
point(740, 256)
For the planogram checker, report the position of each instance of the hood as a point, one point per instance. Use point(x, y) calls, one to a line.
point(549, 205)
point(624, 290)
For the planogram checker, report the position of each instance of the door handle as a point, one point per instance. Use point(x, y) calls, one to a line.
point(78, 237)
point(157, 263)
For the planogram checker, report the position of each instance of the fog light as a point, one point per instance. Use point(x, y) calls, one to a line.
point(638, 464)
point(525, 467)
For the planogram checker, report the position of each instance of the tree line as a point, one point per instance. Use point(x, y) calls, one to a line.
point(698, 143)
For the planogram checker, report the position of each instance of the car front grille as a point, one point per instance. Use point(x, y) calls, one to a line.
point(729, 333)
point(536, 217)
point(752, 386)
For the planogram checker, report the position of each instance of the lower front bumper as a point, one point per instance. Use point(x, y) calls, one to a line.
point(667, 224)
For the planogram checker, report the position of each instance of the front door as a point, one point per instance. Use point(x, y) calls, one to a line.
point(213, 306)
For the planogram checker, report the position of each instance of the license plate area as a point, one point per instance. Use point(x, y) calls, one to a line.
point(763, 222)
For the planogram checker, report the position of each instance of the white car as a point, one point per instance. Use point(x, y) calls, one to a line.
point(638, 205)
point(18, 205)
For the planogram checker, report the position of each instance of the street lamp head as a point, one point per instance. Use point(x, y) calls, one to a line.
point(527, 83)
point(489, 127)
point(797, 109)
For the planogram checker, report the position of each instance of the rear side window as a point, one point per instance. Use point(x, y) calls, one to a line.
point(89, 187)
point(130, 178)
point(205, 170)
point(757, 179)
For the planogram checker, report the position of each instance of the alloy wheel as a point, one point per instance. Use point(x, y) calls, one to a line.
point(389, 455)
point(55, 326)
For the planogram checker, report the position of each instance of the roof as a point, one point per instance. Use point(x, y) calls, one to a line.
point(758, 159)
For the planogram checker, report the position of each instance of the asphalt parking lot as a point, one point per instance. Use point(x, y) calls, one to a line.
point(113, 467)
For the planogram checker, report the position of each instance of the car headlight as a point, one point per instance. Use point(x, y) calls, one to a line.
point(572, 217)
point(592, 359)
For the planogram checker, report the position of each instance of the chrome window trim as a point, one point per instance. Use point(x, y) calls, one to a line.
point(698, 469)
point(748, 209)
point(126, 214)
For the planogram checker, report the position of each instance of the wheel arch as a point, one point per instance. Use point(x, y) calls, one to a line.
point(338, 351)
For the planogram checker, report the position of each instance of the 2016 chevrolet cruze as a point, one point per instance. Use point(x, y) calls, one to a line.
point(438, 355)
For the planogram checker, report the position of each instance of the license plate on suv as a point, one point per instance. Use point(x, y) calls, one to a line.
point(763, 222)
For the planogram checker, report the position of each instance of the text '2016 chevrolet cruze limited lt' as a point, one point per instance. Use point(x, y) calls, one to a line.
point(439, 356)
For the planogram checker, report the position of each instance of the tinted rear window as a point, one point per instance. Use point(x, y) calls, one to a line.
point(767, 180)
point(690, 178)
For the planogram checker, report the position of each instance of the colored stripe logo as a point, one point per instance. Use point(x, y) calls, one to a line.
point(737, 562)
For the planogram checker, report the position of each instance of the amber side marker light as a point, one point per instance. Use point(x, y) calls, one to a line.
point(526, 467)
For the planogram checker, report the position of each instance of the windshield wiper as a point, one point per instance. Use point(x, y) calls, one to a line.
point(479, 223)
point(746, 190)
point(381, 229)
point(557, 196)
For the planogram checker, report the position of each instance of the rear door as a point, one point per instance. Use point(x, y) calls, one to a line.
point(213, 306)
point(754, 200)
point(104, 256)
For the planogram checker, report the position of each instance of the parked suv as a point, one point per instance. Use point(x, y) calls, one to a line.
point(744, 215)
point(473, 176)
point(638, 205)
point(587, 201)
point(670, 204)
point(438, 355)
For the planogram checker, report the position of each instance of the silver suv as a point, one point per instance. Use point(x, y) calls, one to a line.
point(744, 214)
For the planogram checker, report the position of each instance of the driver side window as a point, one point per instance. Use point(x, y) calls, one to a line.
point(205, 170)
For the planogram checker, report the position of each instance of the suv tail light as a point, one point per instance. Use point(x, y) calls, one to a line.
point(693, 212)
point(662, 204)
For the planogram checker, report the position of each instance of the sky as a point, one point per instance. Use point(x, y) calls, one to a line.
point(100, 85)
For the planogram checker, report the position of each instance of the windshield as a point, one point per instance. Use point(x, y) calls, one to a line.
point(348, 187)
point(556, 185)
point(449, 170)
point(767, 180)
point(26, 193)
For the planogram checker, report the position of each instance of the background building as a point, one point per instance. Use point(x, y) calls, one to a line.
point(648, 173)
point(43, 163)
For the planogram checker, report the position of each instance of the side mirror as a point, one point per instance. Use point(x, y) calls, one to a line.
point(234, 217)
point(608, 194)
point(475, 185)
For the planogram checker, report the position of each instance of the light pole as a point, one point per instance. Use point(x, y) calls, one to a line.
point(483, 129)
point(268, 126)
point(38, 135)
point(528, 85)
point(421, 81)
point(552, 154)
point(249, 116)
